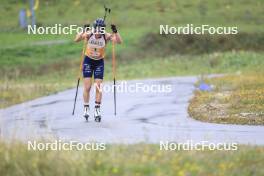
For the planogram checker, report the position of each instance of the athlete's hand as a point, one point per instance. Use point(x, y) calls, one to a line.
point(86, 27)
point(114, 29)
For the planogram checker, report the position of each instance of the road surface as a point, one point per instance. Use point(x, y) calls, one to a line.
point(141, 117)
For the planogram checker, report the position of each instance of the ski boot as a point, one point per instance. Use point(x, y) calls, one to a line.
point(86, 113)
point(97, 113)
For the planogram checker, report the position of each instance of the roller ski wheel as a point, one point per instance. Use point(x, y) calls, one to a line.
point(86, 117)
point(97, 118)
point(86, 113)
point(97, 113)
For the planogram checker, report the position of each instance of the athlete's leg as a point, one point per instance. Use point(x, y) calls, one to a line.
point(87, 83)
point(98, 93)
point(98, 79)
point(98, 99)
point(87, 78)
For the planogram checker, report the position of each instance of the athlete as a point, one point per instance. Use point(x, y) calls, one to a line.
point(93, 62)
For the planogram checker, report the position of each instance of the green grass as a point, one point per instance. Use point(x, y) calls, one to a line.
point(131, 14)
point(138, 159)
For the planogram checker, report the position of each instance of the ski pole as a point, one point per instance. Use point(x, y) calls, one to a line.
point(114, 73)
point(107, 10)
point(79, 76)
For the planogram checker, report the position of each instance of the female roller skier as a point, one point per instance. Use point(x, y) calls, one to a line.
point(93, 62)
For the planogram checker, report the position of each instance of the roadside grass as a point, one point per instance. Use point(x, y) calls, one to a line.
point(236, 99)
point(136, 159)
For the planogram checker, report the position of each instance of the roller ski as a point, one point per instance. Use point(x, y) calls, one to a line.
point(97, 113)
point(86, 113)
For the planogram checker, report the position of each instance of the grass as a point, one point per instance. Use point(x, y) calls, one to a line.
point(246, 15)
point(164, 45)
point(137, 159)
point(236, 99)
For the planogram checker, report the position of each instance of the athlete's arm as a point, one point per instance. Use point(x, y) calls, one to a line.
point(82, 36)
point(79, 37)
point(115, 36)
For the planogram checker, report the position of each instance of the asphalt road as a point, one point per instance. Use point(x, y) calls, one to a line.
point(141, 117)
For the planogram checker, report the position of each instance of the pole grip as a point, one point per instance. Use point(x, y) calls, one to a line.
point(113, 60)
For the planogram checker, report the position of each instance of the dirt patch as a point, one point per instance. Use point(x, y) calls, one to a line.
point(242, 104)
